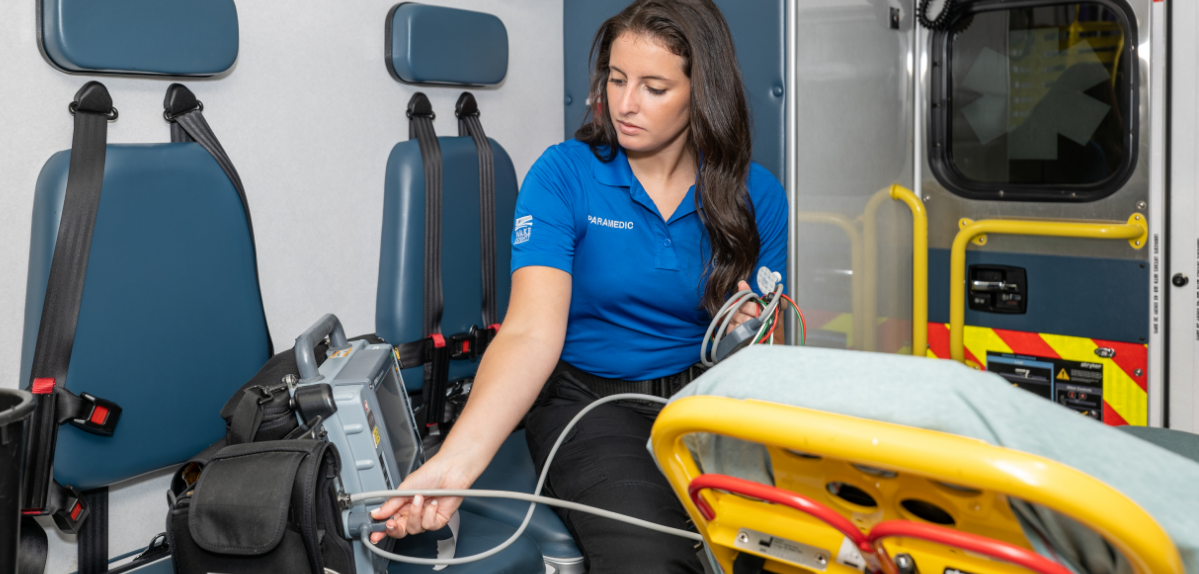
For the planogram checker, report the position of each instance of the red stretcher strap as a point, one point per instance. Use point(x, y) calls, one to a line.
point(777, 496)
point(966, 541)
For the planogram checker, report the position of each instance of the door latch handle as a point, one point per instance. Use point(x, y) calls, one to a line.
point(992, 286)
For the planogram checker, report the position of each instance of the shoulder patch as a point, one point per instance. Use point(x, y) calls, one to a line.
point(524, 229)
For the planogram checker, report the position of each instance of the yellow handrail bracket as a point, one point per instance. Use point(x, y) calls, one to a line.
point(1135, 230)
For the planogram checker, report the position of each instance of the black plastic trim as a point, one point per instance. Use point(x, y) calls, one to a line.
point(940, 112)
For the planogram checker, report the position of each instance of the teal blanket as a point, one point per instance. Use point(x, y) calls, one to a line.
point(949, 397)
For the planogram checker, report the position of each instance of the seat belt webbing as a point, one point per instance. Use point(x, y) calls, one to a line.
point(186, 116)
point(93, 110)
point(420, 127)
point(467, 111)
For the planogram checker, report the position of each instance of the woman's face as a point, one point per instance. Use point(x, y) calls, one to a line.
point(648, 95)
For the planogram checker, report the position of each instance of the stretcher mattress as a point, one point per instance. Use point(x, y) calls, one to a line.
point(949, 397)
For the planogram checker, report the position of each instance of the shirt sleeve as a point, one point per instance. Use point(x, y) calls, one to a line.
point(770, 213)
point(544, 233)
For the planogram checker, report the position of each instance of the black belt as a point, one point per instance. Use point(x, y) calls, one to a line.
point(663, 387)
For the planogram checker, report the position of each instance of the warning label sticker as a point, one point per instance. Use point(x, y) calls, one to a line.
point(1076, 385)
point(370, 420)
point(342, 353)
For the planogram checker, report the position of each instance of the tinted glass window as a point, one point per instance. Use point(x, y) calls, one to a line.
point(1038, 96)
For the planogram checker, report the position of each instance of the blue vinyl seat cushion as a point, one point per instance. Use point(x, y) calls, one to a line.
point(439, 45)
point(171, 322)
point(475, 534)
point(512, 469)
point(173, 37)
point(400, 297)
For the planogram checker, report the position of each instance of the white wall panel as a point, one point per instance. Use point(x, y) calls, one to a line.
point(309, 115)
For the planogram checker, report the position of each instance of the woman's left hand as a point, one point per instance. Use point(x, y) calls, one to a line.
point(746, 312)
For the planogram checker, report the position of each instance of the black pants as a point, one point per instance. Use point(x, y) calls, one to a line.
point(605, 464)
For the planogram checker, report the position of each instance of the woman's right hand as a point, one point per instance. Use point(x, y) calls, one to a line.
point(412, 515)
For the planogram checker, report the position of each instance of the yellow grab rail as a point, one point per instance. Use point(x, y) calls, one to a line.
point(1135, 231)
point(919, 268)
point(855, 248)
point(933, 455)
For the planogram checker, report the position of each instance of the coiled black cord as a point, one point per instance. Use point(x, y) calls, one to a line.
point(941, 22)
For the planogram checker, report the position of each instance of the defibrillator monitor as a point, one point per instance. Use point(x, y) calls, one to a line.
point(373, 427)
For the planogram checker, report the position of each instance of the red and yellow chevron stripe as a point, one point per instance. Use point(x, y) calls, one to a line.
point(1125, 381)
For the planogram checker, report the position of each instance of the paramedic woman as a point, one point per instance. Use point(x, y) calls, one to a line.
point(627, 239)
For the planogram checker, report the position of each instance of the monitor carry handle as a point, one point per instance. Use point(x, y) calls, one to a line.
point(327, 326)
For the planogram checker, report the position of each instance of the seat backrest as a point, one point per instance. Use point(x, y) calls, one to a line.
point(400, 297)
point(171, 322)
point(439, 45)
point(758, 35)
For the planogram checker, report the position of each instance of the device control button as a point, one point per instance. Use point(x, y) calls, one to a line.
point(1180, 280)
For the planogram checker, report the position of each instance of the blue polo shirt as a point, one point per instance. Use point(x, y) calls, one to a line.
point(636, 279)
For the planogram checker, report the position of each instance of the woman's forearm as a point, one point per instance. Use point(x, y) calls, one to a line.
point(511, 375)
point(514, 368)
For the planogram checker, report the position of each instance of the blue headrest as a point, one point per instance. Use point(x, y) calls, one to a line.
point(171, 322)
point(173, 37)
point(400, 298)
point(437, 45)
point(758, 34)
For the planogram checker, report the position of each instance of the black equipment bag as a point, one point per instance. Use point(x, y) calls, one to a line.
point(269, 506)
point(267, 468)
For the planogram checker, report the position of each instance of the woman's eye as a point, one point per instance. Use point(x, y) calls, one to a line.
point(656, 92)
point(616, 82)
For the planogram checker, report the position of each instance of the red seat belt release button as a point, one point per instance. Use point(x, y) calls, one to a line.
point(438, 340)
point(101, 418)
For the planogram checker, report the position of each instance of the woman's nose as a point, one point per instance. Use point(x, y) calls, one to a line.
point(628, 103)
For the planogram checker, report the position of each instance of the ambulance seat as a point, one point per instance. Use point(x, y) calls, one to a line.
point(919, 457)
point(401, 301)
point(171, 322)
point(432, 44)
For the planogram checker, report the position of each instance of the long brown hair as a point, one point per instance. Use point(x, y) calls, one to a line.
point(696, 31)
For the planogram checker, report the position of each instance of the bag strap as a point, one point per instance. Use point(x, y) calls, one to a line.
point(93, 110)
point(436, 357)
point(185, 113)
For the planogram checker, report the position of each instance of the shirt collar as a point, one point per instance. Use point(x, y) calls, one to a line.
point(618, 173)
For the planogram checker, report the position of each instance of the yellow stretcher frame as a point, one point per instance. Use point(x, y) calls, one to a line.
point(1135, 230)
point(934, 455)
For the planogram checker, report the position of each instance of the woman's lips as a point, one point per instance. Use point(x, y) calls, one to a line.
point(629, 129)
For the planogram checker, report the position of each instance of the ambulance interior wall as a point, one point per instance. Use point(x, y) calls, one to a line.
point(308, 114)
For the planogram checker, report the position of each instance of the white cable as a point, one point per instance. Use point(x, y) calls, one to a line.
point(707, 356)
point(533, 498)
point(546, 500)
point(720, 322)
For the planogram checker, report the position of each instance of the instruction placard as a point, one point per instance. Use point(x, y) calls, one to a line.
point(1077, 385)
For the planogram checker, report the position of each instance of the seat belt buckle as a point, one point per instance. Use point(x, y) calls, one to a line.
point(97, 416)
point(471, 344)
point(70, 510)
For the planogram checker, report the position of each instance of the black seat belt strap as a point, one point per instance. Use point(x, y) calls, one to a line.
point(437, 356)
point(93, 110)
point(185, 113)
point(467, 111)
point(92, 549)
